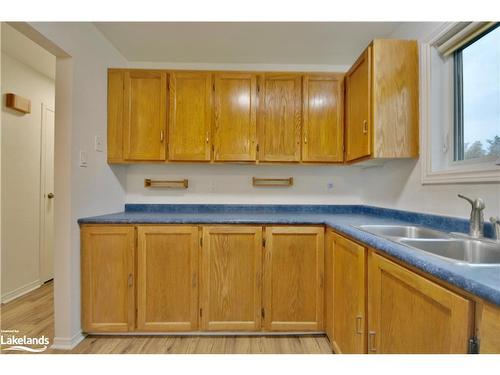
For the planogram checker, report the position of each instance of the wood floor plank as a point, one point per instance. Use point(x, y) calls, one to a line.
point(33, 315)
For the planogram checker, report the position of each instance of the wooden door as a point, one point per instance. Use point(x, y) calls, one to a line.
point(358, 124)
point(323, 138)
point(116, 86)
point(235, 117)
point(145, 115)
point(108, 278)
point(410, 314)
point(328, 301)
point(231, 275)
point(349, 296)
point(167, 278)
point(279, 121)
point(293, 278)
point(190, 116)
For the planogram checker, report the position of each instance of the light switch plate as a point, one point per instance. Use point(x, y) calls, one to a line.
point(98, 144)
point(83, 159)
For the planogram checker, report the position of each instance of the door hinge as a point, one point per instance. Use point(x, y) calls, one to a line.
point(473, 345)
point(201, 312)
point(263, 313)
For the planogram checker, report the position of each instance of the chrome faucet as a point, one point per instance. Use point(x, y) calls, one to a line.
point(496, 226)
point(476, 225)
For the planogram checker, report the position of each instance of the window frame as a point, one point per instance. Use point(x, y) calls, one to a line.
point(437, 119)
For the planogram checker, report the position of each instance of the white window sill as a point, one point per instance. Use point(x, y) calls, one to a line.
point(453, 176)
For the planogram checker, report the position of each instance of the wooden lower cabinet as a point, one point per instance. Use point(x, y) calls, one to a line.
point(408, 313)
point(167, 278)
point(231, 269)
point(488, 328)
point(293, 278)
point(107, 278)
point(328, 270)
point(349, 294)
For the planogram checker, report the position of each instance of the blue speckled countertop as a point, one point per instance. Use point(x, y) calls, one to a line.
point(482, 281)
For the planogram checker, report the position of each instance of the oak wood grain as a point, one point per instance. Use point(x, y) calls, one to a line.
point(116, 87)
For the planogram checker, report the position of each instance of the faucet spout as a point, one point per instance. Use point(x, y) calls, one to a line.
point(476, 225)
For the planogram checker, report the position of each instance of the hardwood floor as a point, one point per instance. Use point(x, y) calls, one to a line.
point(33, 315)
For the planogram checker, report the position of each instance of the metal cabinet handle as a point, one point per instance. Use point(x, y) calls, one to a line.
point(207, 138)
point(130, 280)
point(359, 329)
point(305, 140)
point(162, 136)
point(365, 127)
point(371, 342)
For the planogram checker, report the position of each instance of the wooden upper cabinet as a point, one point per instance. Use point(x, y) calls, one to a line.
point(108, 254)
point(409, 314)
point(349, 296)
point(145, 115)
point(167, 278)
point(116, 87)
point(279, 120)
point(293, 278)
point(382, 102)
point(190, 116)
point(358, 107)
point(231, 273)
point(323, 107)
point(235, 117)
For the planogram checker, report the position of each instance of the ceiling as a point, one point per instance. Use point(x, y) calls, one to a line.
point(244, 42)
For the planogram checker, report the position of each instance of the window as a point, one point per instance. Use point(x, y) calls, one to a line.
point(476, 113)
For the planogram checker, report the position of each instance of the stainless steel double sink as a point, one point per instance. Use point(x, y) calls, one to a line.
point(454, 247)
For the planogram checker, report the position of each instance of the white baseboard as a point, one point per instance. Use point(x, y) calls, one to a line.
point(21, 291)
point(63, 343)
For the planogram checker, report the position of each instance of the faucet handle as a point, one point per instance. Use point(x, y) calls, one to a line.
point(495, 220)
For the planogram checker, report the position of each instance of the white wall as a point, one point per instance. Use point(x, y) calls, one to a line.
point(397, 184)
point(232, 183)
point(21, 157)
point(81, 92)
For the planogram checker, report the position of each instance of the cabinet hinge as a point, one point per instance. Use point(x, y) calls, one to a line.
point(213, 86)
point(473, 345)
point(263, 313)
point(258, 88)
point(168, 86)
point(201, 241)
point(263, 242)
point(201, 312)
point(257, 147)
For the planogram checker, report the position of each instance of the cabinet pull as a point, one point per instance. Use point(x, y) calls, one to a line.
point(371, 342)
point(365, 127)
point(207, 138)
point(162, 136)
point(130, 280)
point(359, 320)
point(305, 140)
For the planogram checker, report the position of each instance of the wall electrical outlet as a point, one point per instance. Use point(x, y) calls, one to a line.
point(83, 159)
point(98, 144)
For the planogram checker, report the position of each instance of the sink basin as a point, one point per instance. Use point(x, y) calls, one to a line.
point(403, 231)
point(460, 250)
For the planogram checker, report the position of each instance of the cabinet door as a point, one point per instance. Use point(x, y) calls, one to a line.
point(190, 116)
point(323, 118)
point(145, 119)
point(235, 117)
point(328, 302)
point(115, 115)
point(358, 125)
point(279, 117)
point(488, 328)
point(349, 293)
point(167, 278)
point(293, 279)
point(108, 278)
point(231, 278)
point(410, 314)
